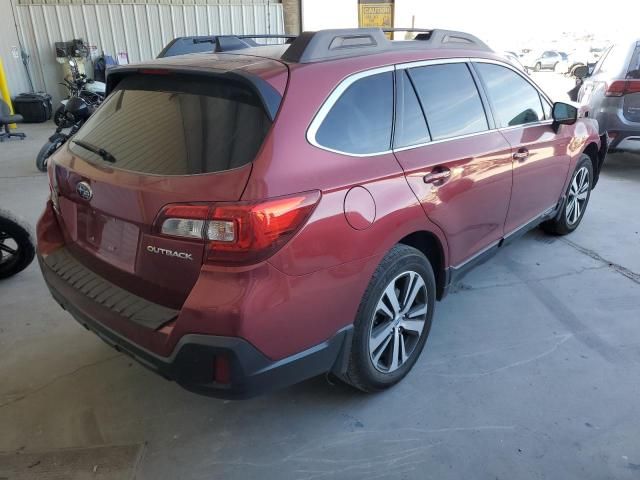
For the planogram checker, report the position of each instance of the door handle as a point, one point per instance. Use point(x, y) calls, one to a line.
point(521, 155)
point(437, 176)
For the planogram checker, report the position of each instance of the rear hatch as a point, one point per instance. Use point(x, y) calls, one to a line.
point(631, 101)
point(160, 138)
point(631, 106)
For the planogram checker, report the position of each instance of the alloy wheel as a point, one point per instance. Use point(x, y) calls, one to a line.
point(578, 196)
point(8, 248)
point(398, 322)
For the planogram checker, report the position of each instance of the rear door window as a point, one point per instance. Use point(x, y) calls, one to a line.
point(359, 122)
point(514, 100)
point(450, 100)
point(411, 125)
point(176, 125)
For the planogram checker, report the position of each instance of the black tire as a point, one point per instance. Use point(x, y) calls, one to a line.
point(46, 151)
point(538, 67)
point(568, 219)
point(58, 115)
point(16, 245)
point(362, 373)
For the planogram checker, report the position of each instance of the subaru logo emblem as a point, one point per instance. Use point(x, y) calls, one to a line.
point(84, 190)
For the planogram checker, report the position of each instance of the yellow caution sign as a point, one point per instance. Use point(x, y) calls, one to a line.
point(4, 91)
point(376, 14)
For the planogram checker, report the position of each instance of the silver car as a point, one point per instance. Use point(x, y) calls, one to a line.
point(549, 60)
point(612, 92)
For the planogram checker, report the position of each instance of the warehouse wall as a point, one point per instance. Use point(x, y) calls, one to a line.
point(140, 30)
point(320, 14)
point(9, 44)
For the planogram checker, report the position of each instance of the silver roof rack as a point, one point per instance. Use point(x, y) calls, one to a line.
point(342, 43)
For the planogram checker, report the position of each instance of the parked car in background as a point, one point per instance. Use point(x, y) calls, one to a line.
point(548, 60)
point(612, 93)
point(297, 210)
point(515, 61)
point(575, 58)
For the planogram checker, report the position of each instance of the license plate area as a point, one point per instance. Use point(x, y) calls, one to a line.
point(108, 238)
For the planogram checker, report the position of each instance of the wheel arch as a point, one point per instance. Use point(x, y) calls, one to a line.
point(593, 152)
point(430, 245)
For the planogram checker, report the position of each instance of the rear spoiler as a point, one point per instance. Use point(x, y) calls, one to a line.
point(268, 95)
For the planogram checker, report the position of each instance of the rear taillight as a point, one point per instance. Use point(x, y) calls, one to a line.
point(186, 221)
point(619, 88)
point(240, 233)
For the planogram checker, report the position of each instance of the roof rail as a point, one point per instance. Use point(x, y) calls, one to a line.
point(341, 43)
point(228, 43)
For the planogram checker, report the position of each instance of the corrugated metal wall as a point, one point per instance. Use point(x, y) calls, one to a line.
point(9, 45)
point(140, 30)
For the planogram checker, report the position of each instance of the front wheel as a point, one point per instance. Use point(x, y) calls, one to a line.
point(16, 245)
point(46, 151)
point(58, 115)
point(577, 199)
point(60, 118)
point(393, 321)
point(538, 67)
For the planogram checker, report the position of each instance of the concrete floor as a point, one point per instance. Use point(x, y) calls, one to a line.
point(531, 371)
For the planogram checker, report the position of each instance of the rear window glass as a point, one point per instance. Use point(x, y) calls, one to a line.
point(360, 121)
point(176, 125)
point(450, 100)
point(634, 65)
point(614, 61)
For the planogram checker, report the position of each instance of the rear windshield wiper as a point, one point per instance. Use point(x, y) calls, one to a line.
point(106, 156)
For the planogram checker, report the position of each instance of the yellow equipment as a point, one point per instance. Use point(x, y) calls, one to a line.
point(4, 91)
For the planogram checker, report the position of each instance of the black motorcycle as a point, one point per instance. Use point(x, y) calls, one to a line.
point(76, 112)
point(16, 245)
point(81, 86)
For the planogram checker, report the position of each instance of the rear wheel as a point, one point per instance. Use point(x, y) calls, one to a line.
point(577, 199)
point(393, 321)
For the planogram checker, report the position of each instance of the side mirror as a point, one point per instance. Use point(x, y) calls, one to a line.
point(564, 114)
point(581, 72)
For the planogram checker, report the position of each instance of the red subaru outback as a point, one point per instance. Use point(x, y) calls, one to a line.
point(242, 221)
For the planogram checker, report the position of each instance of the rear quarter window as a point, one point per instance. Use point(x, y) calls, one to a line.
point(176, 125)
point(450, 100)
point(359, 122)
